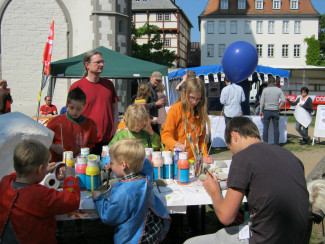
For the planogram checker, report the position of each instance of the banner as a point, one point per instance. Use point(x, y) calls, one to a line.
point(48, 50)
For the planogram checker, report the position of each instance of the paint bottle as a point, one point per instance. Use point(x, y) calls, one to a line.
point(68, 158)
point(158, 164)
point(92, 173)
point(183, 166)
point(148, 154)
point(175, 159)
point(84, 151)
point(168, 165)
point(81, 171)
point(105, 150)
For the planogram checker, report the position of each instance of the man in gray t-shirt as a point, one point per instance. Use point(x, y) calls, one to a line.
point(269, 109)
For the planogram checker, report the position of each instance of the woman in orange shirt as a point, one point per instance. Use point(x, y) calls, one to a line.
point(186, 121)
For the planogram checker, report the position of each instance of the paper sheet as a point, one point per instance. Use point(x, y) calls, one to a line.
point(302, 116)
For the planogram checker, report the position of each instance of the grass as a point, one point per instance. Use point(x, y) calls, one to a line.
point(292, 119)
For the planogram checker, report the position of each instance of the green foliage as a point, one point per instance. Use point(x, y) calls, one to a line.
point(152, 50)
point(321, 38)
point(313, 51)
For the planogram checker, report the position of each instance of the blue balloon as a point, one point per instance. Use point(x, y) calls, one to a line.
point(239, 61)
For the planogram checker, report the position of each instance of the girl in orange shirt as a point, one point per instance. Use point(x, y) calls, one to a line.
point(186, 121)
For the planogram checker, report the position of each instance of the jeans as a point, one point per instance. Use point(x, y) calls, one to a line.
point(268, 115)
point(303, 132)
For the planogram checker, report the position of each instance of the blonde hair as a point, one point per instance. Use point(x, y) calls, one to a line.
point(28, 156)
point(195, 86)
point(160, 87)
point(129, 150)
point(144, 90)
point(135, 114)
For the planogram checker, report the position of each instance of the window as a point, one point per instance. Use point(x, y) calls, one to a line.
point(222, 48)
point(294, 4)
point(285, 27)
point(259, 27)
point(241, 4)
point(120, 26)
point(210, 27)
point(296, 50)
point(297, 27)
point(258, 4)
point(248, 29)
point(167, 17)
point(159, 17)
point(259, 50)
point(210, 50)
point(276, 4)
point(285, 48)
point(222, 27)
point(271, 27)
point(270, 50)
point(233, 27)
point(167, 43)
point(224, 4)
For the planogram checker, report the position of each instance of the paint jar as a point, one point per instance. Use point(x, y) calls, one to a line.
point(168, 165)
point(183, 166)
point(68, 158)
point(84, 151)
point(175, 159)
point(158, 164)
point(92, 173)
point(81, 171)
point(148, 154)
point(105, 150)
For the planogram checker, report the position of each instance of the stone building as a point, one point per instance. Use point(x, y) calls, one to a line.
point(174, 26)
point(277, 29)
point(80, 25)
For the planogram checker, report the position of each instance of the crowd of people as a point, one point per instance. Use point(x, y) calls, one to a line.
point(269, 176)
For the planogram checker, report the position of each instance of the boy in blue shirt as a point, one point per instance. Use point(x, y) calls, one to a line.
point(137, 214)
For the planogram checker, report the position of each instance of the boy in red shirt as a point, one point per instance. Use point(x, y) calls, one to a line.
point(76, 130)
point(28, 209)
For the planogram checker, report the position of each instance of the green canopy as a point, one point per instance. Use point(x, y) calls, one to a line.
point(116, 65)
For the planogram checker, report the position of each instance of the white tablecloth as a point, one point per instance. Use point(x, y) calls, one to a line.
point(218, 129)
point(174, 196)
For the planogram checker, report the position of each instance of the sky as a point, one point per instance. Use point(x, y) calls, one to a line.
point(193, 8)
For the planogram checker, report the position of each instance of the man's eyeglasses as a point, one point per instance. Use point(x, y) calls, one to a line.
point(99, 62)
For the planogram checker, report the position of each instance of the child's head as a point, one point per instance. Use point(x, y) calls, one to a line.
point(29, 156)
point(160, 87)
point(144, 91)
point(76, 102)
point(136, 117)
point(126, 155)
point(194, 100)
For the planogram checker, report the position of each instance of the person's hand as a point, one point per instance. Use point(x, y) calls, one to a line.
point(261, 115)
point(160, 103)
point(108, 167)
point(180, 146)
point(208, 159)
point(95, 194)
point(57, 148)
point(50, 167)
point(300, 105)
point(211, 184)
point(68, 171)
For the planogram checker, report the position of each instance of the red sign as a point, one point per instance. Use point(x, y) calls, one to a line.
point(48, 50)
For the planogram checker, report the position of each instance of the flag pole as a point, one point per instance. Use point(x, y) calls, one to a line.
point(46, 65)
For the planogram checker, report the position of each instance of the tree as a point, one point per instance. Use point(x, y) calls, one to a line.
point(321, 37)
point(152, 50)
point(313, 51)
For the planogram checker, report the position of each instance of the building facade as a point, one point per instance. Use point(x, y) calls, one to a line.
point(174, 26)
point(79, 26)
point(277, 28)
